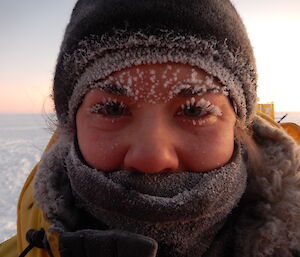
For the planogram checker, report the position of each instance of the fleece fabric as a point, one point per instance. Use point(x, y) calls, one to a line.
point(266, 222)
point(181, 211)
point(113, 34)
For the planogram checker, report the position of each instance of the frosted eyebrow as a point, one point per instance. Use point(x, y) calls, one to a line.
point(190, 91)
point(113, 88)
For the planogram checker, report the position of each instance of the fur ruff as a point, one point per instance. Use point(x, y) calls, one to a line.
point(269, 225)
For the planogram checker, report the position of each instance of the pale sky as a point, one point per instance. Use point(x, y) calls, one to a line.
point(32, 30)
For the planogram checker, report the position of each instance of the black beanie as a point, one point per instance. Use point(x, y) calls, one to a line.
point(115, 34)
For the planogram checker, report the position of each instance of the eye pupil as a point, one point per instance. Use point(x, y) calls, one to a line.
point(114, 109)
point(192, 111)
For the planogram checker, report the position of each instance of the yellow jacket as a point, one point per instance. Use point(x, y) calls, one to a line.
point(290, 128)
point(31, 217)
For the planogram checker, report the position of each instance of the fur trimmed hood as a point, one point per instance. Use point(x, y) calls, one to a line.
point(270, 221)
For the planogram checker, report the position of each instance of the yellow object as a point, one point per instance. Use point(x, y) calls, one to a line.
point(267, 112)
point(30, 216)
point(267, 108)
point(290, 128)
point(9, 248)
point(269, 119)
point(293, 130)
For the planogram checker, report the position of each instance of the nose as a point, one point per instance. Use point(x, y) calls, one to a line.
point(152, 150)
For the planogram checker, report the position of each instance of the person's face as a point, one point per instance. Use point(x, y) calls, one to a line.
point(156, 121)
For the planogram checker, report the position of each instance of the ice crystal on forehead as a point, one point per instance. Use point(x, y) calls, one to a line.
point(152, 72)
point(140, 74)
point(131, 81)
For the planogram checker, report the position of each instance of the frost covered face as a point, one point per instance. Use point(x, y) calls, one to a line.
point(156, 118)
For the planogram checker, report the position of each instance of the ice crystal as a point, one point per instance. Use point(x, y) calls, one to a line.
point(170, 80)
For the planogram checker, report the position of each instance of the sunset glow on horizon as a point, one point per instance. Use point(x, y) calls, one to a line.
point(33, 32)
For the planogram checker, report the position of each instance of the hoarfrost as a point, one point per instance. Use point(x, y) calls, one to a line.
point(168, 79)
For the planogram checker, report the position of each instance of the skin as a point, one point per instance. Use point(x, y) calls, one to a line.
point(151, 133)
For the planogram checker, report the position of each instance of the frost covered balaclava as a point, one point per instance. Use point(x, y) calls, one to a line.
point(105, 36)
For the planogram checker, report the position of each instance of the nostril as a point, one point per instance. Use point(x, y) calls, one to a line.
point(153, 150)
point(151, 162)
point(150, 171)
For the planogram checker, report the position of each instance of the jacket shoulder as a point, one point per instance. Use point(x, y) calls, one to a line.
point(30, 216)
point(292, 129)
point(9, 248)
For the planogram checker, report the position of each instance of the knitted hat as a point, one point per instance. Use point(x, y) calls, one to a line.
point(105, 36)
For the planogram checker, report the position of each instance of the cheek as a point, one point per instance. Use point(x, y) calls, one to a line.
point(99, 150)
point(209, 150)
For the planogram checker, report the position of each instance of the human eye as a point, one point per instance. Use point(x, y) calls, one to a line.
point(110, 108)
point(198, 111)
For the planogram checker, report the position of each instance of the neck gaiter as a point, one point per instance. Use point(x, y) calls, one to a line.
point(182, 211)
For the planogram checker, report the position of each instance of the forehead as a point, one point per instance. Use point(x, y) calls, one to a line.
point(150, 72)
point(164, 74)
point(161, 81)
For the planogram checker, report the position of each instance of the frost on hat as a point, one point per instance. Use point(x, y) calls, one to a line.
point(105, 36)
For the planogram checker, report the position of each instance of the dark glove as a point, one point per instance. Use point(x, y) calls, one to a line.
point(106, 243)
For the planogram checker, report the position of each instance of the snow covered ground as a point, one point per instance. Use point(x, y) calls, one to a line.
point(22, 140)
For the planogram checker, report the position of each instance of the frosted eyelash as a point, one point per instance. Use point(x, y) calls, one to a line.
point(107, 101)
point(206, 105)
